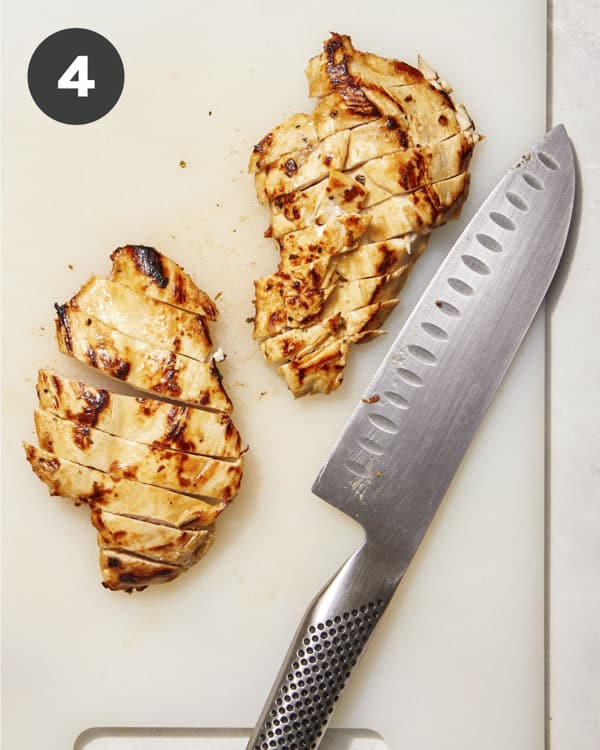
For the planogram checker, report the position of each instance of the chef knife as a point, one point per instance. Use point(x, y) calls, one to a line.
point(393, 462)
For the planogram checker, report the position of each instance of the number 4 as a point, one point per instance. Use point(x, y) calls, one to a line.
point(79, 68)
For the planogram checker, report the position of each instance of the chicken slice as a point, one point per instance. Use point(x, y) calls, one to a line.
point(298, 342)
point(302, 168)
point(155, 541)
point(143, 365)
point(125, 459)
point(335, 113)
point(346, 109)
point(340, 61)
point(352, 295)
point(385, 136)
point(123, 571)
point(144, 318)
point(334, 196)
point(121, 496)
point(372, 182)
point(321, 371)
point(405, 171)
point(319, 241)
point(339, 298)
point(141, 419)
point(149, 272)
point(420, 211)
point(297, 132)
point(380, 258)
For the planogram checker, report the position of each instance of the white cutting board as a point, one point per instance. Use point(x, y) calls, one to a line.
point(458, 660)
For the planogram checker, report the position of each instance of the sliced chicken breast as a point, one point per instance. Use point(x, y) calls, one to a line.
point(124, 571)
point(154, 541)
point(144, 318)
point(149, 272)
point(141, 419)
point(121, 496)
point(143, 365)
point(385, 148)
point(319, 241)
point(124, 459)
point(340, 59)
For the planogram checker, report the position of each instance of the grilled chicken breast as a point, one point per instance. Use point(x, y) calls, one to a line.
point(155, 474)
point(354, 190)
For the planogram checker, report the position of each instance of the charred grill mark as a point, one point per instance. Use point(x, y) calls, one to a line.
point(350, 194)
point(113, 562)
point(96, 401)
point(81, 436)
point(290, 167)
point(446, 97)
point(179, 293)
point(344, 82)
point(177, 419)
point(110, 363)
point(121, 369)
point(214, 371)
point(91, 355)
point(413, 172)
point(263, 145)
point(388, 260)
point(465, 154)
point(148, 262)
point(47, 465)
point(62, 326)
point(57, 385)
point(168, 383)
point(97, 496)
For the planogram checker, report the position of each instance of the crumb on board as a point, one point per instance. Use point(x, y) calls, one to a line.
point(70, 266)
point(262, 394)
point(372, 399)
point(182, 163)
point(218, 296)
point(219, 355)
point(377, 473)
point(210, 112)
point(250, 320)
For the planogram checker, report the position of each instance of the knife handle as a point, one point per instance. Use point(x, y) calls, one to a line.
point(325, 650)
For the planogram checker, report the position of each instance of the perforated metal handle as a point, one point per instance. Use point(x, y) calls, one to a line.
point(325, 650)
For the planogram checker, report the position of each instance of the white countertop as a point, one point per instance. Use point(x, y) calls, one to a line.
point(573, 700)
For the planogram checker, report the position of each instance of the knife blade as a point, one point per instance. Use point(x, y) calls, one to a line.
point(394, 460)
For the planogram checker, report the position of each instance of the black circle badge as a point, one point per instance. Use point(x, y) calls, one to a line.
point(76, 76)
